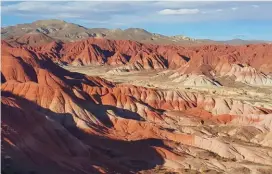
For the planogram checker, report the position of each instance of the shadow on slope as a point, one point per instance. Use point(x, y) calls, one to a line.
point(135, 155)
point(34, 143)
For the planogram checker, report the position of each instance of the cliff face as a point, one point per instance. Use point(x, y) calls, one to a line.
point(57, 121)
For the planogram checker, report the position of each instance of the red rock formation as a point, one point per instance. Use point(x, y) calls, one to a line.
point(66, 122)
point(198, 59)
point(35, 143)
point(117, 59)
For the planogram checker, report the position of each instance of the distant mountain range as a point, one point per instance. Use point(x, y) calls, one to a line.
point(45, 31)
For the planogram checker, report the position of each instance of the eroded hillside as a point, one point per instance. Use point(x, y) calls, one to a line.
point(104, 106)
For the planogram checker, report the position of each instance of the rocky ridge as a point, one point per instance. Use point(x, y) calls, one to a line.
point(69, 32)
point(96, 123)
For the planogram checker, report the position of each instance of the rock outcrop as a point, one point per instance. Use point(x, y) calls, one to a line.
point(57, 121)
point(249, 64)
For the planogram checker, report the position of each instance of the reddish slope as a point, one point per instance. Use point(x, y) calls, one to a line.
point(80, 116)
point(38, 72)
point(34, 143)
point(100, 51)
point(53, 104)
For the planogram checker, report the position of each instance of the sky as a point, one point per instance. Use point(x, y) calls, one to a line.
point(217, 20)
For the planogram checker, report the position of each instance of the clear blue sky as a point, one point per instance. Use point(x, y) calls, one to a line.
point(210, 20)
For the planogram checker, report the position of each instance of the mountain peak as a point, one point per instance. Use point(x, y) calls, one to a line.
point(49, 21)
point(135, 30)
point(65, 31)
